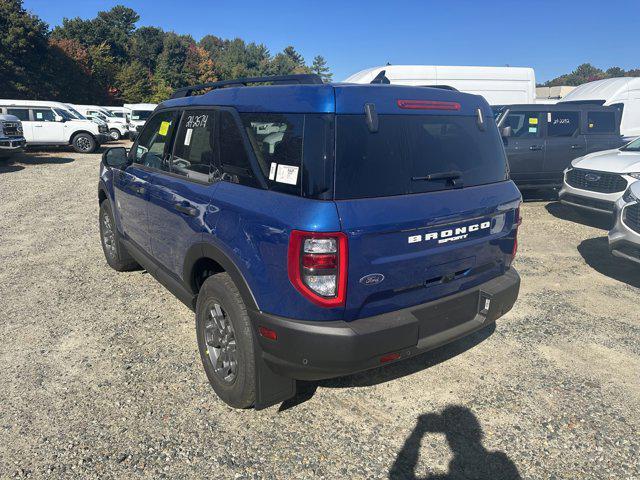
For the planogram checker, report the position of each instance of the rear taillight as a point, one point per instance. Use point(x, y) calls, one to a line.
point(518, 221)
point(317, 266)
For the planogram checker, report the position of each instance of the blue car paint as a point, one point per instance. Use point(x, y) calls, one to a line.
point(252, 226)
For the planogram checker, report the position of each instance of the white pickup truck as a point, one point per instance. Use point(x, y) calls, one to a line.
point(51, 123)
point(11, 137)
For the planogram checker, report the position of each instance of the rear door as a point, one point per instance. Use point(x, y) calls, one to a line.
point(525, 146)
point(564, 141)
point(410, 239)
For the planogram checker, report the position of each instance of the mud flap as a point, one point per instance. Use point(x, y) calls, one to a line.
point(271, 388)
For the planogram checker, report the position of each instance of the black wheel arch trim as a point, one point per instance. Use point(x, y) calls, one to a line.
point(78, 132)
point(207, 250)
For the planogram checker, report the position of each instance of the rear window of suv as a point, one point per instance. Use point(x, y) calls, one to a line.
point(408, 147)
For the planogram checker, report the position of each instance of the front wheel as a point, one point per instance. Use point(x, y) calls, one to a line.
point(114, 133)
point(225, 341)
point(115, 253)
point(84, 143)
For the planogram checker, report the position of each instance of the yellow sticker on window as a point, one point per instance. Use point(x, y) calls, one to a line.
point(591, 125)
point(533, 121)
point(164, 128)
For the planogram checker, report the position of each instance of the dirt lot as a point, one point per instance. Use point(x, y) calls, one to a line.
point(100, 375)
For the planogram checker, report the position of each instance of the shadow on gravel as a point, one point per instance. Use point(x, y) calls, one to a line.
point(595, 252)
point(40, 158)
point(464, 435)
point(306, 390)
point(4, 168)
point(590, 219)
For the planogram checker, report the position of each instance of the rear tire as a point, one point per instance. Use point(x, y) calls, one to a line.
point(225, 341)
point(114, 133)
point(114, 252)
point(84, 143)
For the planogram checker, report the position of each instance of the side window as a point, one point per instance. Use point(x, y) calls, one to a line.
point(601, 122)
point(563, 124)
point(233, 160)
point(194, 148)
point(154, 137)
point(523, 124)
point(21, 113)
point(43, 115)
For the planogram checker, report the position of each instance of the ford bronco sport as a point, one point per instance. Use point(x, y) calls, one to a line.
point(316, 229)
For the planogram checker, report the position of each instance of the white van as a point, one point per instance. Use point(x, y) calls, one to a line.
point(51, 123)
point(498, 85)
point(118, 127)
point(622, 92)
point(139, 112)
point(119, 112)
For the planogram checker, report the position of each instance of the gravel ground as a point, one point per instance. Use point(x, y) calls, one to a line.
point(100, 375)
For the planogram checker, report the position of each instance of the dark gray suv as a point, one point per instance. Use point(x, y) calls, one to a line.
point(541, 140)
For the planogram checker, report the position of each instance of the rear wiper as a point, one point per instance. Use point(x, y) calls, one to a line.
point(452, 175)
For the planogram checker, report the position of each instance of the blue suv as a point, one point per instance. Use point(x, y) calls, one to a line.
point(316, 229)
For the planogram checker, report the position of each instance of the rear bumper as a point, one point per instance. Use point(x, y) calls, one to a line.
point(308, 350)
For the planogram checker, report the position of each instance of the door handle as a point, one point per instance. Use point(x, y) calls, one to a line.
point(137, 189)
point(576, 147)
point(188, 210)
point(38, 126)
point(535, 147)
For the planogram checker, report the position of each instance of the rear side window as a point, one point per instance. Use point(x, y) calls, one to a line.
point(233, 161)
point(294, 151)
point(523, 124)
point(407, 148)
point(21, 113)
point(194, 146)
point(563, 124)
point(601, 122)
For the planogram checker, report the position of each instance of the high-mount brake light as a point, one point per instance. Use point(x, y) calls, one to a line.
point(428, 105)
point(317, 266)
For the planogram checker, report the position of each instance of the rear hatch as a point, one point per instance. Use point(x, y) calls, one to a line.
point(422, 193)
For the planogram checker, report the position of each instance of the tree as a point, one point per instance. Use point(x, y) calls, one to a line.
point(23, 50)
point(133, 83)
point(319, 67)
point(615, 72)
point(172, 59)
point(146, 45)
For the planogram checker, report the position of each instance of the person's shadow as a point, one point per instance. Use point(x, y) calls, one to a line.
point(464, 434)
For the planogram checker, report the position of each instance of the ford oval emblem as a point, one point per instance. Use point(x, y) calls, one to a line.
point(592, 177)
point(372, 279)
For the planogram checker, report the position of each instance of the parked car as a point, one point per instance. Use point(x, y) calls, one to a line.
point(622, 93)
point(138, 115)
point(316, 229)
point(624, 237)
point(11, 137)
point(498, 85)
point(118, 127)
point(119, 112)
point(51, 123)
point(596, 181)
point(542, 140)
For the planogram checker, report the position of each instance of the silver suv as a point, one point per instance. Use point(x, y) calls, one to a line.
point(11, 136)
point(624, 237)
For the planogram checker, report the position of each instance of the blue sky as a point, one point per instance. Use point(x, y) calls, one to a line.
point(552, 37)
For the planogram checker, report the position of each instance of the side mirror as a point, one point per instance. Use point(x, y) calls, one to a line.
point(506, 132)
point(115, 157)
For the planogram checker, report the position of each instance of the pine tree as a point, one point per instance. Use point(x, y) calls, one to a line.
point(319, 67)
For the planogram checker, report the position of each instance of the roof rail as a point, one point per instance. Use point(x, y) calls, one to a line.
point(301, 79)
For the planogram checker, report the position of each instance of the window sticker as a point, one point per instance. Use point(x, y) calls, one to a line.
point(549, 117)
point(38, 115)
point(287, 174)
point(533, 129)
point(591, 125)
point(272, 171)
point(187, 137)
point(164, 128)
point(197, 121)
point(533, 121)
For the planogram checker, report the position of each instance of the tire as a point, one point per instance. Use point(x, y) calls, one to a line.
point(114, 133)
point(114, 252)
point(219, 303)
point(84, 143)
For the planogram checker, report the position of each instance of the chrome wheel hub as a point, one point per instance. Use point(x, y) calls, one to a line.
point(221, 344)
point(83, 144)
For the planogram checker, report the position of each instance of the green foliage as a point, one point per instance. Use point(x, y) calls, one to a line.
point(108, 60)
point(588, 73)
point(319, 67)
